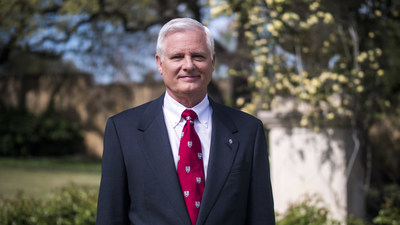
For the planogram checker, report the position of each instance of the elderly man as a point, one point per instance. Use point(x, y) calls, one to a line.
point(183, 159)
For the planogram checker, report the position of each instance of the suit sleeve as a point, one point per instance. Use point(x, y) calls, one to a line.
point(113, 203)
point(261, 206)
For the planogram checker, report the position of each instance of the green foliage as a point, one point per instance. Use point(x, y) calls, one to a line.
point(24, 134)
point(389, 214)
point(306, 213)
point(70, 205)
point(311, 212)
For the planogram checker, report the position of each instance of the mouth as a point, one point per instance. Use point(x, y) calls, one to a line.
point(189, 77)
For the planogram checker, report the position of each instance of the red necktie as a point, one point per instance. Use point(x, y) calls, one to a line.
point(190, 166)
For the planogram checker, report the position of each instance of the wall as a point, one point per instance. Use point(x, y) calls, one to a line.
point(305, 163)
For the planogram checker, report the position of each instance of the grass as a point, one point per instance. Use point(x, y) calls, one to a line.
point(39, 177)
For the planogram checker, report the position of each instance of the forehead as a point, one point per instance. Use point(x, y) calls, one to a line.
point(192, 38)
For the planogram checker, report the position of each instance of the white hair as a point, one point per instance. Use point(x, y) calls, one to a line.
point(181, 25)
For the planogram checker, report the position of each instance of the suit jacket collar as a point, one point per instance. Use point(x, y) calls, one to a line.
point(159, 155)
point(223, 151)
point(222, 154)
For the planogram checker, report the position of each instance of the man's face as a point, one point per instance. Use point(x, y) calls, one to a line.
point(186, 65)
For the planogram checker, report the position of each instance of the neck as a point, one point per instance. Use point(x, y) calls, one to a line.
point(187, 100)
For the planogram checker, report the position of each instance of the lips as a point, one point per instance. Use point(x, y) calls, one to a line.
point(189, 77)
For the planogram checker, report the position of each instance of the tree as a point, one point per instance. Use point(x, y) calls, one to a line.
point(339, 57)
point(99, 28)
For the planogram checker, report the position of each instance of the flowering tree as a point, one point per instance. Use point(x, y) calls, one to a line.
point(338, 57)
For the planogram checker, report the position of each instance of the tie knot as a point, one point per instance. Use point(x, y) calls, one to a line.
point(189, 114)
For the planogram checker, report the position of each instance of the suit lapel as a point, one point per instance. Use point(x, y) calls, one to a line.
point(159, 155)
point(223, 151)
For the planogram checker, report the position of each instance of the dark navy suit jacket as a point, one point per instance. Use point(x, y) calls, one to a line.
point(140, 186)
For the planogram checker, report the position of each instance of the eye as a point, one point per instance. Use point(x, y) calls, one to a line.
point(199, 57)
point(176, 57)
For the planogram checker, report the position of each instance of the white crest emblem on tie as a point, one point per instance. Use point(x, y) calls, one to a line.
point(197, 204)
point(198, 180)
point(187, 169)
point(199, 155)
point(186, 193)
point(190, 144)
point(188, 118)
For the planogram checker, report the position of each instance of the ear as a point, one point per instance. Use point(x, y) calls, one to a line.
point(159, 64)
point(213, 61)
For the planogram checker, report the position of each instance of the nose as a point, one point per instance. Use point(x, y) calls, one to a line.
point(188, 63)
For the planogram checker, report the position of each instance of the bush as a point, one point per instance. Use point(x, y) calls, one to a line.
point(310, 212)
point(389, 214)
point(72, 205)
point(307, 212)
point(49, 134)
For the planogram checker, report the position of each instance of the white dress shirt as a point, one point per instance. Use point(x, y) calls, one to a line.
point(203, 125)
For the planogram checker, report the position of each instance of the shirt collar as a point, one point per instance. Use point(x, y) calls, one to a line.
point(175, 109)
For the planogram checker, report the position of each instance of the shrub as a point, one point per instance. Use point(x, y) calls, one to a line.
point(310, 212)
point(307, 212)
point(389, 214)
point(71, 205)
point(49, 134)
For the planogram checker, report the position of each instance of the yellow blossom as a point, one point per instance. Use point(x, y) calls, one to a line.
point(279, 86)
point(371, 34)
point(249, 108)
point(272, 90)
point(360, 89)
point(342, 79)
point(270, 27)
point(395, 13)
point(312, 20)
point(212, 3)
point(277, 24)
point(362, 56)
point(378, 13)
point(378, 51)
point(330, 116)
point(380, 72)
point(251, 79)
point(304, 122)
point(361, 74)
point(374, 66)
point(320, 14)
point(240, 101)
point(314, 6)
point(220, 9)
point(258, 84)
point(265, 106)
point(304, 25)
point(269, 2)
point(335, 87)
point(328, 18)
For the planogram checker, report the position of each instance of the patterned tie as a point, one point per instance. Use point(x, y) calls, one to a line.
point(190, 166)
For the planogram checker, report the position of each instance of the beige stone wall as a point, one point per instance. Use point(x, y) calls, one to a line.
point(79, 98)
point(84, 101)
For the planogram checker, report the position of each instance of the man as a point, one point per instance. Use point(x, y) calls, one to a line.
point(209, 166)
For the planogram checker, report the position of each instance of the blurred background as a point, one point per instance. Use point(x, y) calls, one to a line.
point(67, 65)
